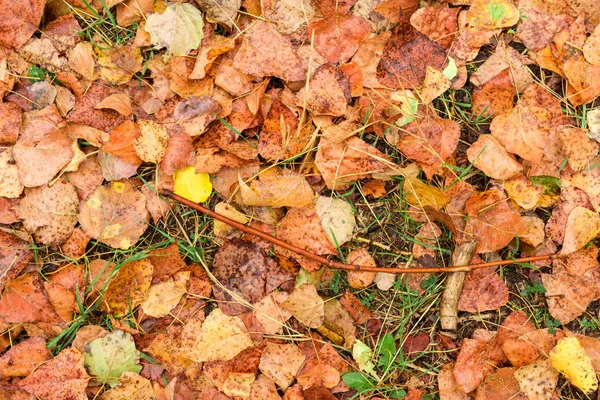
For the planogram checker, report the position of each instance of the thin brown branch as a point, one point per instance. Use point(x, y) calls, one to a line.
point(338, 265)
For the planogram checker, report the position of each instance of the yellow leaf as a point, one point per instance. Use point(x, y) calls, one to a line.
point(192, 186)
point(419, 194)
point(178, 28)
point(582, 226)
point(571, 360)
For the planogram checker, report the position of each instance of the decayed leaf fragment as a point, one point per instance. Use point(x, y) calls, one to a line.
point(114, 214)
point(178, 28)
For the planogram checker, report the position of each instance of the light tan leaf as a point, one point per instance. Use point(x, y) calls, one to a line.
point(220, 338)
point(275, 187)
point(178, 28)
point(567, 296)
point(492, 159)
point(114, 214)
point(269, 313)
point(132, 387)
point(281, 362)
point(152, 142)
point(306, 306)
point(288, 15)
point(337, 219)
point(537, 380)
point(163, 296)
point(10, 185)
point(582, 226)
point(360, 279)
point(120, 102)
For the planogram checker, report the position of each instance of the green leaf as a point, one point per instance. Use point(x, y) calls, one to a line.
point(451, 70)
point(108, 357)
point(397, 394)
point(362, 354)
point(357, 381)
point(178, 28)
point(386, 350)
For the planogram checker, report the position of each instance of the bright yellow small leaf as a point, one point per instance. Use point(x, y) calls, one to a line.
point(570, 359)
point(192, 186)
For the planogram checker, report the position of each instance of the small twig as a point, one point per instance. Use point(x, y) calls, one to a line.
point(339, 265)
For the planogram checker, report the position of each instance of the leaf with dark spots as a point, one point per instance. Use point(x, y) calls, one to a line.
point(241, 267)
point(338, 37)
point(406, 57)
point(15, 254)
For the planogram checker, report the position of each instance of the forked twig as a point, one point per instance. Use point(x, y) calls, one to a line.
point(338, 265)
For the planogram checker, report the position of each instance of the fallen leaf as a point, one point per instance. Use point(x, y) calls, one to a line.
point(241, 268)
point(114, 214)
point(15, 254)
point(119, 64)
point(492, 159)
point(114, 168)
point(131, 386)
point(570, 359)
point(337, 37)
point(533, 231)
point(582, 226)
point(178, 154)
point(120, 102)
point(525, 130)
point(440, 24)
point(20, 21)
point(128, 288)
point(151, 143)
point(223, 12)
point(420, 195)
point(266, 52)
point(275, 187)
point(269, 313)
point(349, 161)
point(500, 385)
point(327, 93)
point(132, 11)
point(210, 49)
point(281, 137)
point(41, 150)
point(580, 262)
point(567, 296)
point(406, 57)
point(337, 219)
point(434, 85)
point(428, 141)
point(503, 58)
point(111, 355)
point(494, 97)
point(25, 300)
point(321, 375)
point(447, 385)
point(338, 326)
point(178, 29)
point(483, 290)
point(537, 380)
point(281, 362)
point(264, 388)
point(360, 279)
point(220, 338)
point(23, 358)
point(64, 377)
point(11, 123)
point(10, 185)
point(49, 212)
point(164, 296)
point(570, 198)
point(238, 384)
point(302, 227)
point(306, 306)
point(121, 142)
point(578, 147)
point(523, 192)
point(491, 220)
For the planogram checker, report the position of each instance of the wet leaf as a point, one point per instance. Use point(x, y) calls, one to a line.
point(23, 358)
point(114, 214)
point(483, 290)
point(25, 300)
point(108, 357)
point(178, 29)
point(492, 159)
point(568, 296)
point(20, 21)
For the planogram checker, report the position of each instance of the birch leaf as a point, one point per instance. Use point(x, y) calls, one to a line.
point(178, 28)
